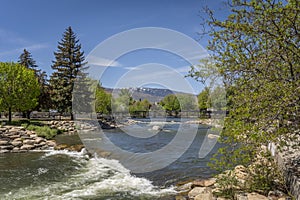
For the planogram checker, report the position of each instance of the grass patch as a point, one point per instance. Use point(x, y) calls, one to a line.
point(42, 131)
point(40, 128)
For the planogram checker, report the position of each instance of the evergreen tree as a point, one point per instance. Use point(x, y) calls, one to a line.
point(27, 61)
point(44, 98)
point(68, 66)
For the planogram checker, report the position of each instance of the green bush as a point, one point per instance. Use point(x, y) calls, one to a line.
point(42, 131)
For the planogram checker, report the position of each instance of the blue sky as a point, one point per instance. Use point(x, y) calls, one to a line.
point(38, 25)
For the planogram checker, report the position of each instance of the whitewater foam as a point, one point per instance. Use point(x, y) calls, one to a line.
point(98, 177)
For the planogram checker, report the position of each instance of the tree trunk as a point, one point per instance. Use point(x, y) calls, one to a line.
point(9, 114)
point(28, 114)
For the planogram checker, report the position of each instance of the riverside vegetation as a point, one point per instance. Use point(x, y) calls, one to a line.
point(255, 49)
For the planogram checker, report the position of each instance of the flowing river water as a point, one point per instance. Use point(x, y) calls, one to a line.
point(74, 175)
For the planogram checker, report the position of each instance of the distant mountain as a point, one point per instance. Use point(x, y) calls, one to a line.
point(152, 94)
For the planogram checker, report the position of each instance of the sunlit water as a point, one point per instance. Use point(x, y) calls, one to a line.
point(72, 175)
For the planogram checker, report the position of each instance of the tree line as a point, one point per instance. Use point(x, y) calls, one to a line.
point(25, 87)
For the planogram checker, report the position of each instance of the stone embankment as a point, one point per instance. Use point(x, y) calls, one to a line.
point(17, 139)
point(289, 161)
point(208, 189)
point(68, 127)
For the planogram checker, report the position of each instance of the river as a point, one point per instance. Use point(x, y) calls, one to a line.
point(73, 175)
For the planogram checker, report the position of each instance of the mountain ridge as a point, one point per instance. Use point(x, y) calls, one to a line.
point(151, 94)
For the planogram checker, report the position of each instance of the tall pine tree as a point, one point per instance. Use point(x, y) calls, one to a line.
point(27, 61)
point(44, 98)
point(68, 66)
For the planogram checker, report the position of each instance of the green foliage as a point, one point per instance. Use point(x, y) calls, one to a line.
point(228, 184)
point(19, 89)
point(139, 108)
point(256, 50)
point(42, 131)
point(180, 102)
point(204, 100)
point(27, 61)
point(125, 103)
point(122, 102)
point(44, 101)
point(103, 101)
point(171, 104)
point(187, 102)
point(265, 174)
point(68, 66)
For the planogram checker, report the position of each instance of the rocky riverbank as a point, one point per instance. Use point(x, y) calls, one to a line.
point(17, 140)
point(209, 189)
point(64, 126)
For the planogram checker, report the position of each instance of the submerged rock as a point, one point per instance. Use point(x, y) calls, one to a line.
point(156, 128)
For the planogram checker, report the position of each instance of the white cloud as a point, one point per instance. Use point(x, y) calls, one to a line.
point(30, 48)
point(103, 62)
point(132, 68)
point(9, 37)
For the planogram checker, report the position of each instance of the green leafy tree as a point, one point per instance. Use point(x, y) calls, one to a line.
point(103, 101)
point(122, 101)
point(44, 101)
point(171, 104)
point(140, 108)
point(19, 88)
point(204, 100)
point(68, 66)
point(256, 49)
point(187, 102)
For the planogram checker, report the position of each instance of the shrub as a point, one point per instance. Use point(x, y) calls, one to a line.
point(42, 131)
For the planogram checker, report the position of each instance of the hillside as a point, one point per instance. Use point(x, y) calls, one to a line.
point(152, 94)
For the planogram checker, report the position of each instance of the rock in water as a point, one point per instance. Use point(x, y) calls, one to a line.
point(156, 128)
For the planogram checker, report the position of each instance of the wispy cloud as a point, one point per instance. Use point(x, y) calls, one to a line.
point(14, 44)
point(132, 68)
point(103, 61)
point(8, 37)
point(30, 48)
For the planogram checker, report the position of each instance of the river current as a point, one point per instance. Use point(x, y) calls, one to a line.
point(75, 175)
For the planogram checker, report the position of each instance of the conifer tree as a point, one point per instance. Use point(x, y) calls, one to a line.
point(27, 61)
point(68, 65)
point(44, 98)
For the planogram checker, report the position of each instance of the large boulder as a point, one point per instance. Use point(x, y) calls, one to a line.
point(16, 143)
point(255, 196)
point(28, 141)
point(204, 183)
point(197, 190)
point(3, 142)
point(27, 147)
point(204, 196)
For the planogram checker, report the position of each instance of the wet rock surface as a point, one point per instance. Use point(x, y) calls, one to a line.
point(17, 140)
point(208, 189)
